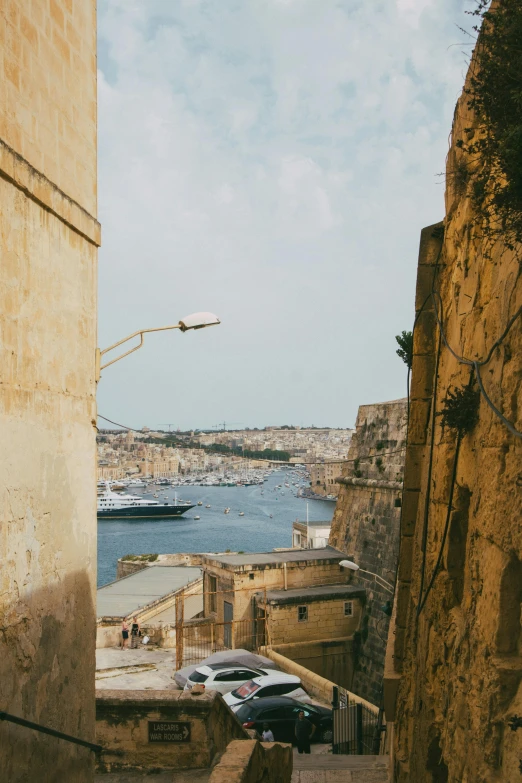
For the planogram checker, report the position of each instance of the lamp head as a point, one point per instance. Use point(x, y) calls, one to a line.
point(349, 564)
point(198, 321)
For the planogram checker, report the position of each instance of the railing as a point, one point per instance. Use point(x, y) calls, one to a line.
point(45, 730)
point(357, 730)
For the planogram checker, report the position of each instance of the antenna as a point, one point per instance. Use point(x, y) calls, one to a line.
point(169, 425)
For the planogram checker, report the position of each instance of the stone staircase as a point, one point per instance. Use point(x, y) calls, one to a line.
point(326, 768)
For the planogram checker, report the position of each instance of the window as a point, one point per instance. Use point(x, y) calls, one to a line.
point(198, 677)
point(245, 690)
point(251, 576)
point(302, 614)
point(212, 589)
point(348, 608)
point(270, 690)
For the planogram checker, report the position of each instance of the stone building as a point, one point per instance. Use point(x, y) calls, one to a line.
point(298, 601)
point(310, 535)
point(315, 626)
point(49, 237)
point(455, 647)
point(366, 523)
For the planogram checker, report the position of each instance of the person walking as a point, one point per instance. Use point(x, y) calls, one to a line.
point(267, 734)
point(304, 731)
point(135, 633)
point(124, 635)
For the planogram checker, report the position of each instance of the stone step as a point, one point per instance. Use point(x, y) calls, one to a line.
point(327, 768)
point(184, 776)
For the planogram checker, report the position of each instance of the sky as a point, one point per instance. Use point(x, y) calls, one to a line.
point(273, 162)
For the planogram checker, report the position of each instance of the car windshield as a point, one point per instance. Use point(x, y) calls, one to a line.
point(244, 713)
point(247, 689)
point(198, 677)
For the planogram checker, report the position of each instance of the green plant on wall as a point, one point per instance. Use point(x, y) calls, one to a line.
point(405, 349)
point(494, 147)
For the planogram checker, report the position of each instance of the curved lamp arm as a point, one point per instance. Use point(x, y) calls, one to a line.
point(195, 321)
point(379, 579)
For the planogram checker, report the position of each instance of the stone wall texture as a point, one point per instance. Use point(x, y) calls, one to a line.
point(249, 761)
point(48, 256)
point(459, 656)
point(122, 719)
point(366, 524)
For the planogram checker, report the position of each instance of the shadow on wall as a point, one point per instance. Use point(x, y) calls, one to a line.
point(47, 665)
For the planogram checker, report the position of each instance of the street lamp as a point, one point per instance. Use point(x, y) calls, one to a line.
point(194, 321)
point(354, 567)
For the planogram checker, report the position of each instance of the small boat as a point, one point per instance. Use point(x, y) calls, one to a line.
point(207, 506)
point(156, 495)
point(271, 516)
point(227, 511)
point(200, 502)
point(197, 517)
point(241, 513)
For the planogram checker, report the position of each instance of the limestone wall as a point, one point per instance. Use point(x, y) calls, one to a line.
point(48, 255)
point(459, 658)
point(326, 620)
point(250, 761)
point(122, 728)
point(366, 523)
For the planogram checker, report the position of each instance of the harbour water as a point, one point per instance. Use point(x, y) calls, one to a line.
point(215, 531)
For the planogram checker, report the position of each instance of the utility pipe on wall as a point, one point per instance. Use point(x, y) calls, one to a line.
point(286, 584)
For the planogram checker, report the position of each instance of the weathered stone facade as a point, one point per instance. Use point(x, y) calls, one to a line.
point(48, 255)
point(366, 523)
point(457, 648)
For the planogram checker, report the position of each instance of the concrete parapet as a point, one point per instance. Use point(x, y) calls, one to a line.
point(122, 728)
point(251, 761)
point(316, 685)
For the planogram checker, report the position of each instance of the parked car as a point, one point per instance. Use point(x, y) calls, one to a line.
point(222, 677)
point(240, 658)
point(273, 684)
point(280, 712)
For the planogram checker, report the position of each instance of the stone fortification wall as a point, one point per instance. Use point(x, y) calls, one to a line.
point(366, 523)
point(48, 281)
point(458, 648)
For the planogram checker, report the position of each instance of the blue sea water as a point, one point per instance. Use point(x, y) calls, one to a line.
point(215, 531)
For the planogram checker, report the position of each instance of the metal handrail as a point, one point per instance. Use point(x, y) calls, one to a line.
point(45, 730)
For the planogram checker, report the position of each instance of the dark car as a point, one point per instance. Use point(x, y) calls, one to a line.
point(280, 712)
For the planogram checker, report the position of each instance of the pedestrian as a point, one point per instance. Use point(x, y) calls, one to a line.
point(304, 731)
point(267, 734)
point(135, 633)
point(124, 635)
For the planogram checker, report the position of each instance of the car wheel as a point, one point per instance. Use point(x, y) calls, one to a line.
point(326, 735)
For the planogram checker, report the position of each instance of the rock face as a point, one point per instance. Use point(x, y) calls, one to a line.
point(366, 524)
point(457, 642)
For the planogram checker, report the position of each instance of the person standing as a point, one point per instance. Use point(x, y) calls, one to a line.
point(304, 731)
point(124, 635)
point(267, 734)
point(135, 633)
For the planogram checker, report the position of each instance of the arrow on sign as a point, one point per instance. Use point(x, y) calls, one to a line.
point(185, 732)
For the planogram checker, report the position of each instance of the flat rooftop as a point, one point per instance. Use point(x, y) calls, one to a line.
point(122, 597)
point(259, 559)
point(310, 594)
point(312, 524)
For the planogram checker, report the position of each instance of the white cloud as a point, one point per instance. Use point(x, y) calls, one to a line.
point(274, 162)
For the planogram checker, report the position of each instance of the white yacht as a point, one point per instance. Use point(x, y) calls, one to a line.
point(112, 505)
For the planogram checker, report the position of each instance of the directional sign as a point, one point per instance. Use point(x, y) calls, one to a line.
point(168, 731)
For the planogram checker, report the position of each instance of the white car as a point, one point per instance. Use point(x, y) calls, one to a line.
point(274, 684)
point(222, 677)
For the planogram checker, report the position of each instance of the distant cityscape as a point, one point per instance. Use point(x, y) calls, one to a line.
point(159, 454)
